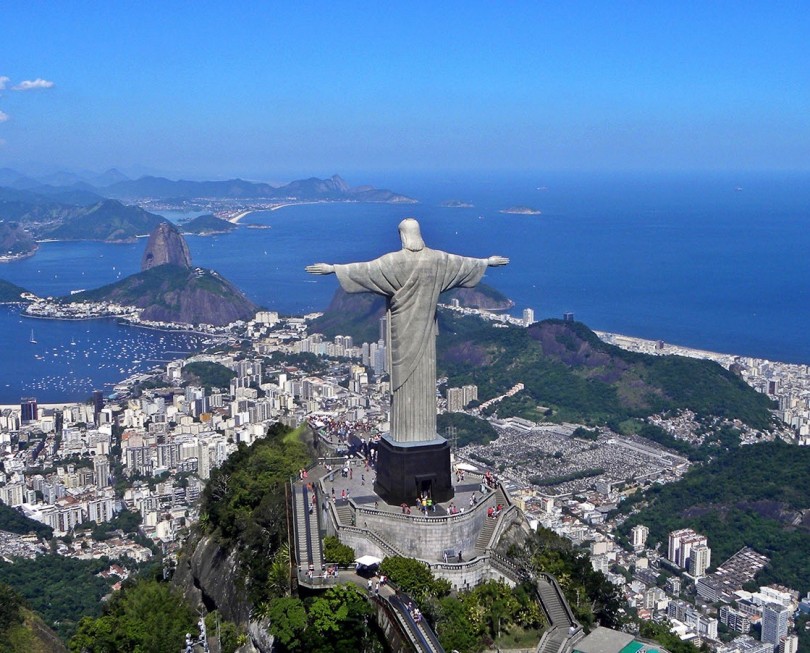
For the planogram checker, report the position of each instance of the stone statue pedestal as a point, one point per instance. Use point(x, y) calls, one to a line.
point(406, 469)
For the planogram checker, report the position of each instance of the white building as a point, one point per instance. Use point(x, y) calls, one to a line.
point(700, 559)
point(681, 543)
point(100, 510)
point(638, 536)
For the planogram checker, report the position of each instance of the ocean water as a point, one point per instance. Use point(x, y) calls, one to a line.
point(718, 262)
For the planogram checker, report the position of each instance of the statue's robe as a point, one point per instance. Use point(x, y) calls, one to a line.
point(412, 282)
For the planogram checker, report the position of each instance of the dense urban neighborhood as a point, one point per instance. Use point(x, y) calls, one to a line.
point(119, 477)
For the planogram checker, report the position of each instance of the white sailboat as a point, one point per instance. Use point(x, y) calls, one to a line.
point(33, 340)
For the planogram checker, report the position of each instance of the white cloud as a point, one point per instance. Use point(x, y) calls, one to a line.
point(27, 85)
point(3, 81)
point(3, 116)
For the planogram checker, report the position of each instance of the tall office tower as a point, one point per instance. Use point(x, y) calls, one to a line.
point(774, 623)
point(384, 329)
point(28, 409)
point(528, 316)
point(639, 536)
point(101, 471)
point(700, 557)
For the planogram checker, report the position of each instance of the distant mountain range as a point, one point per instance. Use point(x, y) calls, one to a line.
point(108, 220)
point(303, 190)
point(88, 188)
point(66, 206)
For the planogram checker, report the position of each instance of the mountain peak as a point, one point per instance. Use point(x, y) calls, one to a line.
point(165, 245)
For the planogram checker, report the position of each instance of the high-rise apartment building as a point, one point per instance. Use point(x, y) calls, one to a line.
point(638, 536)
point(774, 623)
point(101, 471)
point(28, 409)
point(700, 558)
point(681, 543)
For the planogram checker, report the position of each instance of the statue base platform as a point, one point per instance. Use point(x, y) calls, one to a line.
point(406, 470)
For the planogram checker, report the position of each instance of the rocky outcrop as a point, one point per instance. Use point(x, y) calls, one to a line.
point(165, 245)
point(168, 289)
point(172, 293)
point(209, 576)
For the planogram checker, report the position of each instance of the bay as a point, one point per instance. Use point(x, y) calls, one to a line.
point(711, 261)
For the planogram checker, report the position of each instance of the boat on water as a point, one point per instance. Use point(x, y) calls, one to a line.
point(33, 340)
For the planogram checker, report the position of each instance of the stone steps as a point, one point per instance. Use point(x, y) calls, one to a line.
point(344, 513)
point(485, 535)
point(553, 605)
point(553, 640)
point(300, 526)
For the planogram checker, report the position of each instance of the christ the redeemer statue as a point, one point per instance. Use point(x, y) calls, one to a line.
point(411, 280)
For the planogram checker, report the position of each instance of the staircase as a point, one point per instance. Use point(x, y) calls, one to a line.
point(485, 536)
point(552, 640)
point(301, 517)
point(553, 605)
point(344, 513)
point(420, 635)
point(490, 525)
point(314, 535)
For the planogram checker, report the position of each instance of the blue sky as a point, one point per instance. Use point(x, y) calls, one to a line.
point(276, 90)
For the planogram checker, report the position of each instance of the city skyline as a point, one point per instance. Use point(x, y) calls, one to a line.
point(248, 91)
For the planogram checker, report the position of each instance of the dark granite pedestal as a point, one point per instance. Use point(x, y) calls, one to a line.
point(405, 470)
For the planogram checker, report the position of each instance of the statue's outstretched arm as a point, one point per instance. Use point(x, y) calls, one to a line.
point(320, 268)
point(496, 261)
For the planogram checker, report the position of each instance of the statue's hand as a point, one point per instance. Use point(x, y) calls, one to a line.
point(320, 268)
point(496, 261)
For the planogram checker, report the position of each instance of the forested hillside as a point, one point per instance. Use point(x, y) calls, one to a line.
point(571, 375)
point(755, 496)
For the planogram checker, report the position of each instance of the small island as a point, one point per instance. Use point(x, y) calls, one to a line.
point(207, 225)
point(457, 204)
point(521, 210)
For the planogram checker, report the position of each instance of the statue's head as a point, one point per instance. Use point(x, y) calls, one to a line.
point(410, 235)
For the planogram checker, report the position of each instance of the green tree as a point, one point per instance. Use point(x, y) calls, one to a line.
point(338, 620)
point(414, 578)
point(145, 617)
point(454, 628)
point(288, 620)
point(336, 552)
